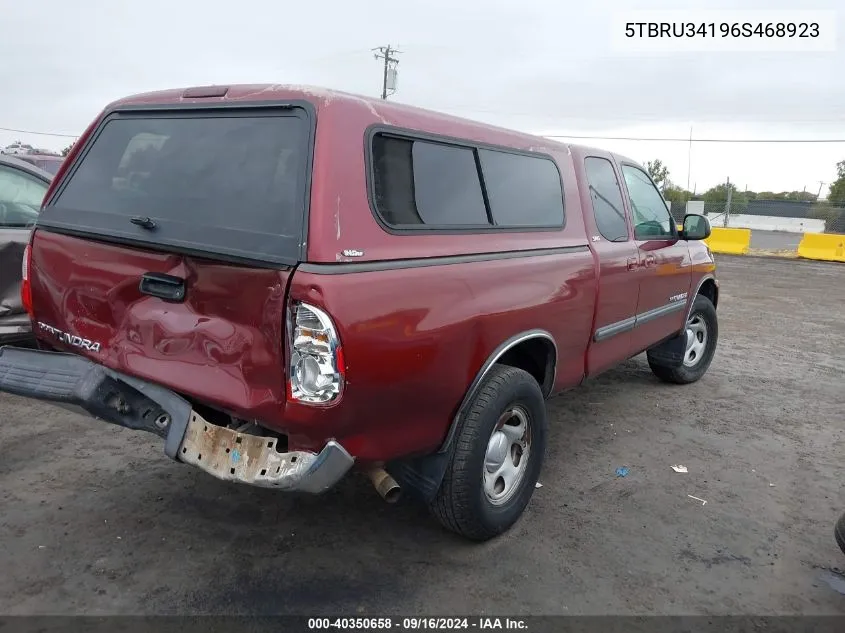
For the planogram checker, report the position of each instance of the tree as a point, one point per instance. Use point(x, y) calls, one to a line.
point(719, 193)
point(676, 194)
point(833, 216)
point(801, 196)
point(837, 187)
point(658, 171)
point(716, 197)
point(67, 149)
point(797, 196)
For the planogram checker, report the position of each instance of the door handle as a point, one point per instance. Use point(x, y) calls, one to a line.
point(633, 264)
point(165, 287)
point(649, 260)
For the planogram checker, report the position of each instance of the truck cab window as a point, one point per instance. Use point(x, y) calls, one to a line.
point(606, 197)
point(651, 217)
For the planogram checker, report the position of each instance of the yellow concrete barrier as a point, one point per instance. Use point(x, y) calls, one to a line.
point(729, 241)
point(825, 246)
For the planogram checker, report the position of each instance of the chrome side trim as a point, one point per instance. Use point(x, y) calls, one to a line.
point(656, 313)
point(626, 325)
point(609, 331)
point(485, 369)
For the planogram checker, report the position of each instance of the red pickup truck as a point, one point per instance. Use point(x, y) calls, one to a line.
point(284, 283)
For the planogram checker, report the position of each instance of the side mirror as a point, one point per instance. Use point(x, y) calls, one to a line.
point(696, 227)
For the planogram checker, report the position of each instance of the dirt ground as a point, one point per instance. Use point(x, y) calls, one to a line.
point(96, 520)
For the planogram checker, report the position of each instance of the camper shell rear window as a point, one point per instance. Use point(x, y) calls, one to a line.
point(216, 181)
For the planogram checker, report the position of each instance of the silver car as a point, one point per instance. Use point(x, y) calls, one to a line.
point(22, 188)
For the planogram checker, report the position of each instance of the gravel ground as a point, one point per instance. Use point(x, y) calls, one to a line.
point(96, 520)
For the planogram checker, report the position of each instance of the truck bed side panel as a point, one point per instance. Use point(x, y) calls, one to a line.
point(414, 339)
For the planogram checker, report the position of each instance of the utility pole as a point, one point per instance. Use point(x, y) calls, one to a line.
point(821, 184)
point(728, 204)
point(386, 53)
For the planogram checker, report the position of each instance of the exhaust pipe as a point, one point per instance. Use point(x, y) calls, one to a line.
point(385, 485)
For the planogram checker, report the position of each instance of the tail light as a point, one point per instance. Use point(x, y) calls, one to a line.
point(26, 285)
point(316, 372)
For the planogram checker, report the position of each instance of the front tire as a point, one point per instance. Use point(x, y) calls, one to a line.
point(702, 329)
point(497, 457)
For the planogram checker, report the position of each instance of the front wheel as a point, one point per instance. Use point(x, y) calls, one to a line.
point(497, 457)
point(702, 333)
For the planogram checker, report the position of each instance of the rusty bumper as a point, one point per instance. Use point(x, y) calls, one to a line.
point(253, 459)
point(71, 380)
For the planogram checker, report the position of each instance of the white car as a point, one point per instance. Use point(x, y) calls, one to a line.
point(17, 148)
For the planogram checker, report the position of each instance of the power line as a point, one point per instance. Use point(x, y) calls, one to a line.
point(9, 129)
point(386, 51)
point(699, 140)
point(625, 119)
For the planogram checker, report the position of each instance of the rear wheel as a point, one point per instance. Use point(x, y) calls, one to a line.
point(702, 332)
point(839, 532)
point(497, 457)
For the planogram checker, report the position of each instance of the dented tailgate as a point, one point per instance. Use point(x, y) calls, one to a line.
point(223, 344)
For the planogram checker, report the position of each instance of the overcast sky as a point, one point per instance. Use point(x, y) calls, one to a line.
point(543, 67)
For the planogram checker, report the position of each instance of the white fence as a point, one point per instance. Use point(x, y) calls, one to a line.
point(759, 222)
point(769, 223)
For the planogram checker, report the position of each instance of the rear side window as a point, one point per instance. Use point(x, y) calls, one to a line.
point(446, 185)
point(606, 197)
point(523, 190)
point(424, 184)
point(222, 183)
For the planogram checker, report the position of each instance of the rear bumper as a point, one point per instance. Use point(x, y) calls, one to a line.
point(113, 397)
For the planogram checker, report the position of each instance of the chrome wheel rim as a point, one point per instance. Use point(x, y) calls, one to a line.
point(696, 340)
point(506, 458)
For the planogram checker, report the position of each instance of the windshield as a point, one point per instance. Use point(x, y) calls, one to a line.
point(225, 183)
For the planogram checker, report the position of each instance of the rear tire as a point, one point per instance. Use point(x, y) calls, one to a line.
point(839, 532)
point(497, 457)
point(703, 329)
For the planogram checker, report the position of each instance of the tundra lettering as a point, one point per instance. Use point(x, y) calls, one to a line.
point(71, 339)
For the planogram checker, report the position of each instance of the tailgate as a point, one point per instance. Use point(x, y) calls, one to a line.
point(223, 344)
